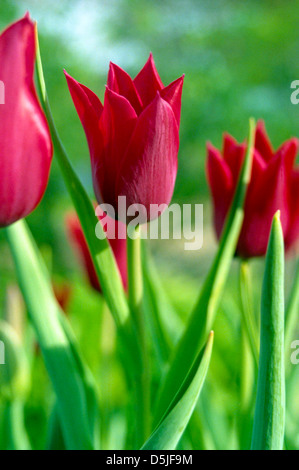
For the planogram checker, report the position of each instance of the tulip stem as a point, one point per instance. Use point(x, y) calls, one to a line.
point(247, 309)
point(135, 302)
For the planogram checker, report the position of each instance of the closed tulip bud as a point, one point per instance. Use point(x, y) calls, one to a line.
point(25, 143)
point(78, 241)
point(133, 138)
point(274, 186)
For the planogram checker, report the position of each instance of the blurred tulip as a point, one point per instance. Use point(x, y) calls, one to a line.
point(62, 292)
point(77, 239)
point(274, 186)
point(25, 143)
point(134, 138)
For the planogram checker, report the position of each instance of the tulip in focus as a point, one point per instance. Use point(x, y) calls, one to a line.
point(274, 186)
point(77, 239)
point(134, 138)
point(25, 143)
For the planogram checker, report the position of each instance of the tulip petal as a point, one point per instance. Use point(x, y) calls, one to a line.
point(270, 194)
point(117, 124)
point(288, 152)
point(89, 109)
point(148, 82)
point(292, 237)
point(147, 175)
point(233, 154)
point(120, 82)
point(262, 141)
point(221, 184)
point(173, 95)
point(25, 144)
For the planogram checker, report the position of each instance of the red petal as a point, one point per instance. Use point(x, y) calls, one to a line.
point(233, 154)
point(117, 125)
point(148, 82)
point(221, 185)
point(267, 194)
point(292, 238)
point(25, 143)
point(288, 151)
point(173, 95)
point(262, 141)
point(89, 109)
point(148, 173)
point(120, 82)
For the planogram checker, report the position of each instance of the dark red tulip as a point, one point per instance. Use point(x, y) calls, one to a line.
point(77, 239)
point(25, 143)
point(134, 138)
point(274, 186)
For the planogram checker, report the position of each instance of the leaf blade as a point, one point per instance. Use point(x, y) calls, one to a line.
point(169, 431)
point(269, 420)
point(44, 314)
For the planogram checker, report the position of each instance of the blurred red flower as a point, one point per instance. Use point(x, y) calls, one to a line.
point(134, 138)
point(77, 239)
point(25, 142)
point(274, 186)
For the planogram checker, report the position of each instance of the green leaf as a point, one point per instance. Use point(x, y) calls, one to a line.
point(269, 419)
point(16, 437)
point(44, 313)
point(247, 308)
point(170, 430)
point(205, 310)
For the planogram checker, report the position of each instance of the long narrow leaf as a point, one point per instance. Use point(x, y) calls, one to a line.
point(204, 313)
point(170, 430)
point(100, 250)
point(269, 419)
point(44, 314)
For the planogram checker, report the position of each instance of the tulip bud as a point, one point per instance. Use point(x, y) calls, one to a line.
point(77, 239)
point(25, 143)
point(273, 186)
point(133, 139)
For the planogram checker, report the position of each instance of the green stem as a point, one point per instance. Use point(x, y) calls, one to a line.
point(17, 438)
point(136, 306)
point(247, 309)
point(247, 377)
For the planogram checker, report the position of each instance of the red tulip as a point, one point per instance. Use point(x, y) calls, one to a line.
point(274, 186)
point(134, 138)
point(25, 143)
point(77, 239)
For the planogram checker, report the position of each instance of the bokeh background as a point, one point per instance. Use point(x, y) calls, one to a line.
point(239, 59)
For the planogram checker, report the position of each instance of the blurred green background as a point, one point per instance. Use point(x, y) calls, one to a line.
point(239, 59)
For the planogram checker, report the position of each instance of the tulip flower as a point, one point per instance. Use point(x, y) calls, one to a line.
point(25, 142)
point(274, 186)
point(77, 239)
point(133, 138)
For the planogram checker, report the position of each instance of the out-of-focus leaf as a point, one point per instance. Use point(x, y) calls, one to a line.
point(170, 430)
point(44, 313)
point(269, 419)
